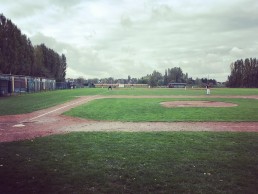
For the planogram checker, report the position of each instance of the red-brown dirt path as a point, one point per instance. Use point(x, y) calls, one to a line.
point(50, 121)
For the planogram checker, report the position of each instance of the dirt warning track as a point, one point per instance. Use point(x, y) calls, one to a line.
point(50, 121)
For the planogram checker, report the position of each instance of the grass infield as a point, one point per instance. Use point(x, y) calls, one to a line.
point(164, 162)
point(26, 103)
point(187, 92)
point(141, 110)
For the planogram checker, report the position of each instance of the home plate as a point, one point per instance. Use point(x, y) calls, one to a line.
point(19, 125)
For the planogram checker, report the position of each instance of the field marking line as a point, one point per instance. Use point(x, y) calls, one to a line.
point(61, 108)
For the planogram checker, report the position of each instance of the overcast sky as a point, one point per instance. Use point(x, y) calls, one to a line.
point(117, 38)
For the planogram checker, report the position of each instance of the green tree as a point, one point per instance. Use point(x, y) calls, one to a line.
point(156, 79)
point(175, 75)
point(63, 66)
point(144, 80)
point(244, 73)
point(49, 63)
point(129, 79)
point(166, 77)
point(16, 51)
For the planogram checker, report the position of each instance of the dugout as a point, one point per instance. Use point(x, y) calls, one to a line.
point(177, 85)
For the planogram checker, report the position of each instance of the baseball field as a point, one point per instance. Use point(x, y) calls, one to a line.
point(93, 140)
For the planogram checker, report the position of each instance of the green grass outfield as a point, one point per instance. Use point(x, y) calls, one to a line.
point(119, 162)
point(141, 110)
point(31, 102)
point(188, 92)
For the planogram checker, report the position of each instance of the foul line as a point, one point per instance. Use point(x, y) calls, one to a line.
point(60, 108)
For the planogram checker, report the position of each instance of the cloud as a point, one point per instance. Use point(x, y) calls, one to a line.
point(109, 38)
point(126, 21)
point(235, 51)
point(71, 73)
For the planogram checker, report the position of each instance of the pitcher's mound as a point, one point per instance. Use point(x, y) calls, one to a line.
point(196, 104)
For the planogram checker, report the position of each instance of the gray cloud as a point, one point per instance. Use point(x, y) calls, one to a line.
point(104, 38)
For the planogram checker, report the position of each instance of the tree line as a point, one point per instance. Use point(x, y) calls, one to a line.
point(244, 73)
point(18, 56)
point(155, 79)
